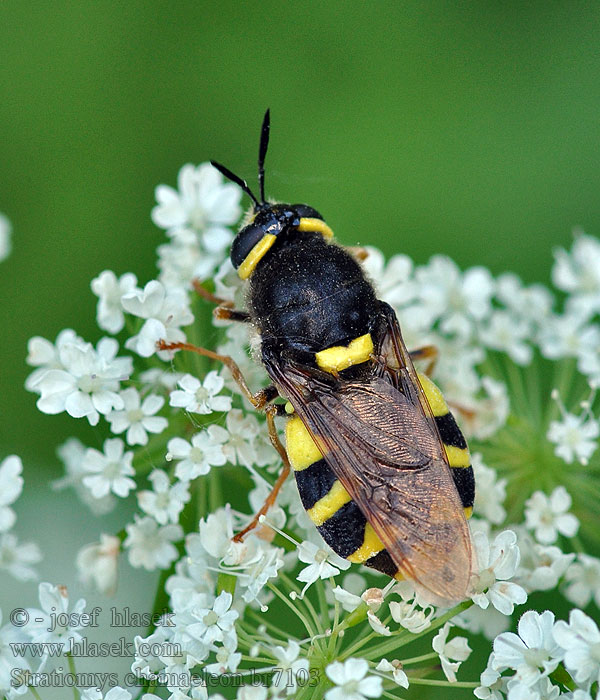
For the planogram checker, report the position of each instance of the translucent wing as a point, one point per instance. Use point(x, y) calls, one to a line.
point(380, 440)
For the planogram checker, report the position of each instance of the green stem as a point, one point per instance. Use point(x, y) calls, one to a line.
point(304, 600)
point(418, 659)
point(293, 608)
point(35, 693)
point(73, 671)
point(268, 625)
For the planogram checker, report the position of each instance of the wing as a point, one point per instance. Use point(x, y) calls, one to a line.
point(379, 438)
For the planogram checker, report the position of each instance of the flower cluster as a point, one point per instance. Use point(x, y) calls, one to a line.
point(279, 607)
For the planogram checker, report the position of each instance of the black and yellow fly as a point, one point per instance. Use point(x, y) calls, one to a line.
point(381, 466)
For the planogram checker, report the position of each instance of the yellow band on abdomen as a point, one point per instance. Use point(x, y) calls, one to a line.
point(371, 545)
point(325, 507)
point(299, 445)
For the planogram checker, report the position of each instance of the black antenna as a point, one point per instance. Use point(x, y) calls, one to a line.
point(238, 180)
point(262, 152)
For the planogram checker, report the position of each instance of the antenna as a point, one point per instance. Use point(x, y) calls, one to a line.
point(262, 152)
point(238, 181)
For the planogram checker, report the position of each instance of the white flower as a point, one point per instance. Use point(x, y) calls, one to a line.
point(484, 415)
point(507, 332)
point(410, 615)
point(579, 272)
point(45, 355)
point(574, 437)
point(288, 664)
point(583, 581)
point(239, 446)
point(399, 676)
point(458, 649)
point(11, 686)
point(72, 454)
point(580, 640)
point(534, 653)
point(17, 558)
point(490, 492)
point(216, 623)
point(349, 596)
point(181, 262)
point(165, 310)
point(150, 546)
point(43, 627)
point(116, 693)
point(567, 336)
point(394, 281)
point(201, 397)
point(493, 685)
point(204, 451)
point(5, 233)
point(11, 485)
point(137, 418)
point(109, 290)
point(548, 516)
point(322, 562)
point(259, 571)
point(165, 502)
point(352, 682)
point(109, 471)
point(88, 384)
point(228, 659)
point(97, 563)
point(203, 205)
point(533, 303)
point(541, 567)
point(458, 299)
point(497, 564)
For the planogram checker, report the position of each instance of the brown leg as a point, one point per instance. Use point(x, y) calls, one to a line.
point(224, 313)
point(224, 310)
point(258, 400)
point(427, 352)
point(205, 294)
point(270, 500)
point(262, 402)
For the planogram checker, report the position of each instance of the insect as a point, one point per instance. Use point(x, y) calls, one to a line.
point(381, 466)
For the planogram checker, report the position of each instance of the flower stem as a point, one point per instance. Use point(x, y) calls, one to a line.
point(73, 671)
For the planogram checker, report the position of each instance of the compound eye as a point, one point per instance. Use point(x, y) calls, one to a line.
point(244, 242)
point(305, 212)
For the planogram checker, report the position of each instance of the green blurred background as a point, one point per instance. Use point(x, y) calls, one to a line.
point(470, 129)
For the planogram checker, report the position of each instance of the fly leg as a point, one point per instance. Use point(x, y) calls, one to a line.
point(262, 401)
point(224, 310)
point(271, 412)
point(427, 352)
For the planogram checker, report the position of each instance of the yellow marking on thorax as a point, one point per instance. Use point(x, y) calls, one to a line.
point(289, 409)
point(457, 456)
point(317, 225)
point(468, 512)
point(327, 506)
point(341, 357)
point(254, 256)
point(299, 445)
point(436, 400)
point(371, 545)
